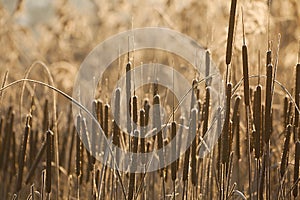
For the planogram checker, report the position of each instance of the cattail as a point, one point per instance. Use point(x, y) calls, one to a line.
point(207, 70)
point(289, 113)
point(230, 32)
point(32, 144)
point(225, 133)
point(206, 112)
point(116, 130)
point(100, 112)
point(106, 119)
point(179, 142)
point(157, 126)
point(134, 111)
point(296, 168)
point(246, 75)
point(22, 154)
point(133, 166)
point(193, 153)
point(269, 58)
point(235, 113)
point(101, 122)
point(46, 117)
point(128, 98)
point(284, 158)
point(257, 121)
point(262, 135)
point(147, 109)
point(36, 162)
point(285, 111)
point(237, 146)
point(49, 135)
point(94, 133)
point(142, 134)
point(174, 151)
point(268, 103)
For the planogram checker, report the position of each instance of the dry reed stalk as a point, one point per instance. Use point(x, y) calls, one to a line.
point(49, 135)
point(296, 168)
point(22, 154)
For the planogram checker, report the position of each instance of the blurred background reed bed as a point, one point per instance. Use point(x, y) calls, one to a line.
point(254, 44)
